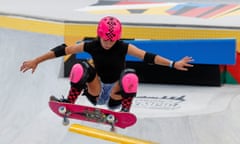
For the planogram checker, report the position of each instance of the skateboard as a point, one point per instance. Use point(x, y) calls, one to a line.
point(92, 114)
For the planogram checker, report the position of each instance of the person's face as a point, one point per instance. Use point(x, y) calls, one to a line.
point(107, 44)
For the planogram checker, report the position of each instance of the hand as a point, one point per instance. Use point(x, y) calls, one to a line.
point(183, 64)
point(31, 64)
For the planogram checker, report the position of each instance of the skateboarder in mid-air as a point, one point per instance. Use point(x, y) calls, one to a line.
point(107, 81)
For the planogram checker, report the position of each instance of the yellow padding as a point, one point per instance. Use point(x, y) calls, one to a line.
point(129, 31)
point(32, 25)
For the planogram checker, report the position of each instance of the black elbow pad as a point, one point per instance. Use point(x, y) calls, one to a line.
point(149, 58)
point(59, 50)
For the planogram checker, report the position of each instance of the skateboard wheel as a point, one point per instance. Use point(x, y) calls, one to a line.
point(110, 118)
point(65, 121)
point(62, 110)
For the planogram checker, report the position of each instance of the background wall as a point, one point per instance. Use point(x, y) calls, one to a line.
point(200, 75)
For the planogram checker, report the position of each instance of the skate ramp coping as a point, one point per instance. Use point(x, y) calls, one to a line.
point(106, 135)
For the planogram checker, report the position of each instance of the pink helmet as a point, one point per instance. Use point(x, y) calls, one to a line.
point(109, 28)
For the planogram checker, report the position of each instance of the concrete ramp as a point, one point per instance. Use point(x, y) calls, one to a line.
point(23, 100)
point(167, 114)
point(209, 115)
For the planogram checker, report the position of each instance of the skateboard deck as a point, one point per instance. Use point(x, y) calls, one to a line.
point(87, 113)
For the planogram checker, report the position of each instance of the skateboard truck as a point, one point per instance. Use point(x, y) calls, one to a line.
point(62, 110)
point(111, 120)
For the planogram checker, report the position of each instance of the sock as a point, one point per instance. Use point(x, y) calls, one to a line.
point(73, 94)
point(126, 104)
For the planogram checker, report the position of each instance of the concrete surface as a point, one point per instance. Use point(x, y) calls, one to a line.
point(171, 114)
point(182, 114)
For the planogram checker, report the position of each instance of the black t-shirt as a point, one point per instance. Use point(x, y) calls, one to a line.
point(108, 63)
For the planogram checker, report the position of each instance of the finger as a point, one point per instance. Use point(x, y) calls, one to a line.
point(184, 69)
point(22, 68)
point(33, 70)
point(25, 69)
point(188, 58)
point(181, 69)
point(188, 65)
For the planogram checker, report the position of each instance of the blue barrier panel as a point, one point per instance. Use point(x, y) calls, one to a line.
point(203, 51)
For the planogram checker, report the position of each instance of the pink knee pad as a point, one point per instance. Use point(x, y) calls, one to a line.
point(76, 73)
point(129, 83)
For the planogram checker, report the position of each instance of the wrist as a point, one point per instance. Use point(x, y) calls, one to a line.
point(171, 64)
point(37, 60)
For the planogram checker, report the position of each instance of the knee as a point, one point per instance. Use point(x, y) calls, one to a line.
point(81, 73)
point(129, 83)
point(76, 73)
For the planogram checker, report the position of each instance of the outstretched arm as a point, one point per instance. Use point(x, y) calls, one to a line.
point(32, 64)
point(182, 64)
point(53, 53)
